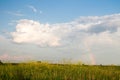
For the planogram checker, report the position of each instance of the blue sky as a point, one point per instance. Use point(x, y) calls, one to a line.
point(56, 10)
point(77, 30)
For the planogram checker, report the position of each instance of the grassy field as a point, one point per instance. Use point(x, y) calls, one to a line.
point(45, 71)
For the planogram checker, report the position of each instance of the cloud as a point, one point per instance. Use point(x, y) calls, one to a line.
point(104, 38)
point(97, 24)
point(40, 12)
point(33, 8)
point(16, 58)
point(92, 39)
point(92, 29)
point(2, 38)
point(12, 22)
point(15, 13)
point(29, 31)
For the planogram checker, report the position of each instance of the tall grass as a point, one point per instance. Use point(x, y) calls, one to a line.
point(45, 71)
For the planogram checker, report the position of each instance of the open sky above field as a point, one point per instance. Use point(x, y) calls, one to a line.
point(56, 30)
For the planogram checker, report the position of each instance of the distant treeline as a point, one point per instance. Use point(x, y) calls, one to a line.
point(61, 64)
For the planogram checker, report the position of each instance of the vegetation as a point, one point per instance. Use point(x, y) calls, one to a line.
point(45, 71)
point(1, 62)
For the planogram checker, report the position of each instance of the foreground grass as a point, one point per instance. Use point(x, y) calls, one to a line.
point(44, 71)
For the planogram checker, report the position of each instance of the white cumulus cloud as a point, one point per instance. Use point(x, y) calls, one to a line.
point(29, 31)
point(93, 29)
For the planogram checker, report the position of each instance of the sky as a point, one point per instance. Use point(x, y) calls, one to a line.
point(86, 31)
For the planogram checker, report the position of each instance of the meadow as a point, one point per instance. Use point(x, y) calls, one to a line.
point(46, 71)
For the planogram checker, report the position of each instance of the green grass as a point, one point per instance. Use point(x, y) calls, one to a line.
point(44, 71)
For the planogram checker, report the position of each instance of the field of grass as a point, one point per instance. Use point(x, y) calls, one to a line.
point(45, 71)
